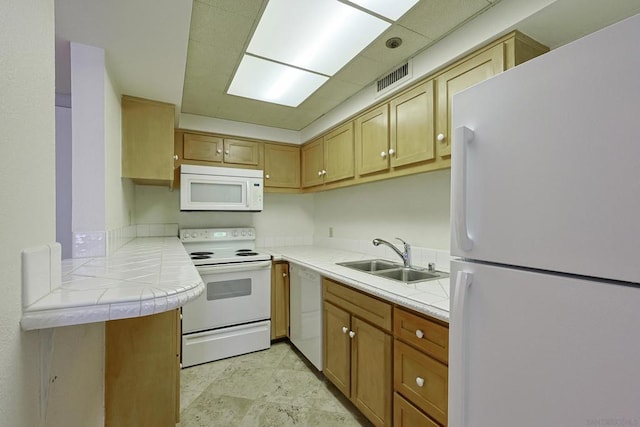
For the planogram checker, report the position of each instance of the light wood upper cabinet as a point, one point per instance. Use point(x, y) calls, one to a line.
point(411, 126)
point(339, 154)
point(280, 300)
point(372, 141)
point(239, 152)
point(330, 158)
point(358, 349)
point(312, 163)
point(147, 141)
point(223, 151)
point(281, 166)
point(473, 71)
point(205, 148)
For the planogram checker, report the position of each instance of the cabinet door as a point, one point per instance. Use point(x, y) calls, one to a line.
point(281, 166)
point(312, 163)
point(339, 154)
point(280, 300)
point(141, 371)
point(474, 70)
point(412, 126)
point(371, 370)
point(372, 141)
point(241, 152)
point(147, 139)
point(337, 347)
point(204, 148)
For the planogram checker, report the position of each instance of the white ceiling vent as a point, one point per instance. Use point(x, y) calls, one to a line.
point(394, 79)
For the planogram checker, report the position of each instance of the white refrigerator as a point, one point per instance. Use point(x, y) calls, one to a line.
point(545, 308)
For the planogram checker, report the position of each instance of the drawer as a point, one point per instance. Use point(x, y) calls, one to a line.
point(424, 334)
point(407, 415)
point(422, 380)
point(368, 308)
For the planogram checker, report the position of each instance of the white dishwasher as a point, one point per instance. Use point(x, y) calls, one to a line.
point(305, 311)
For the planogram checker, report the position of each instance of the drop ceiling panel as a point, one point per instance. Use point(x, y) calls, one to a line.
point(434, 18)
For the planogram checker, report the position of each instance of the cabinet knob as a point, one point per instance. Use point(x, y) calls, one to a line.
point(440, 137)
point(419, 381)
point(391, 151)
point(352, 334)
point(345, 329)
point(226, 152)
point(383, 155)
point(284, 274)
point(324, 172)
point(218, 151)
point(319, 173)
point(419, 333)
point(267, 176)
point(175, 157)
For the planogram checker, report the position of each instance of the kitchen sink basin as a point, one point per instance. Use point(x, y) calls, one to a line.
point(394, 271)
point(370, 265)
point(409, 275)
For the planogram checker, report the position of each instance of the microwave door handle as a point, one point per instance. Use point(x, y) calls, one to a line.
point(230, 268)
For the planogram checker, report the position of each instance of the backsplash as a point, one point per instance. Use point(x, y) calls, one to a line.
point(103, 243)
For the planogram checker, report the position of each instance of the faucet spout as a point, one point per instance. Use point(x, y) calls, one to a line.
point(406, 255)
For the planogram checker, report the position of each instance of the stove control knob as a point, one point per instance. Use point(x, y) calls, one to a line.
point(244, 233)
point(250, 233)
point(235, 233)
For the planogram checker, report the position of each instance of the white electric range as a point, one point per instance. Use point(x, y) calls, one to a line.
point(232, 316)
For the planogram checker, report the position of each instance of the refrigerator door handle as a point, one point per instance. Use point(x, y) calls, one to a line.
point(457, 373)
point(462, 137)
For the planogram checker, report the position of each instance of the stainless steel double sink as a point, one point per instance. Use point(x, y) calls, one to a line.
point(394, 271)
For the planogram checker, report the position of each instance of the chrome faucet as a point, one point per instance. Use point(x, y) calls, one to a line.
point(406, 255)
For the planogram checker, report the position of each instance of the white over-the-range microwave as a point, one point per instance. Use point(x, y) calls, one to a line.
point(210, 188)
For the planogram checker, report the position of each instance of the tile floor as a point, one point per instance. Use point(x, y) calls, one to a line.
point(274, 387)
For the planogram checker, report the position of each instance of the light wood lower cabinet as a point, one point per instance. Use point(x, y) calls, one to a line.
point(420, 367)
point(357, 351)
point(280, 300)
point(407, 415)
point(142, 371)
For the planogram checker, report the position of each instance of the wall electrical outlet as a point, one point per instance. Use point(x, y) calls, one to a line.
point(330, 231)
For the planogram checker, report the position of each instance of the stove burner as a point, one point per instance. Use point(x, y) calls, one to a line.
point(201, 253)
point(200, 257)
point(246, 253)
point(244, 250)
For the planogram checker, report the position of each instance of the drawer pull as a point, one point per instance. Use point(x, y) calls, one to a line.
point(420, 381)
point(345, 329)
point(419, 333)
point(352, 334)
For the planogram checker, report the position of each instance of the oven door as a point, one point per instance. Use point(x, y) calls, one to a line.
point(234, 294)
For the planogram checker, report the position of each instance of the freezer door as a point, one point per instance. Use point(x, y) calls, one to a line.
point(547, 173)
point(528, 349)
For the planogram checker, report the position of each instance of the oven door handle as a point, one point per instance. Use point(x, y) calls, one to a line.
point(229, 268)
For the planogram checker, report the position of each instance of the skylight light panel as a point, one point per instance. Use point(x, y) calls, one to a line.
point(319, 35)
point(269, 81)
point(389, 9)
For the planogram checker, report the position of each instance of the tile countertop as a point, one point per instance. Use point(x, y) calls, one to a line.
point(430, 298)
point(146, 276)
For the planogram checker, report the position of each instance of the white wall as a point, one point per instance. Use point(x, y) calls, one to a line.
point(49, 377)
point(119, 192)
point(27, 215)
point(414, 208)
point(284, 215)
